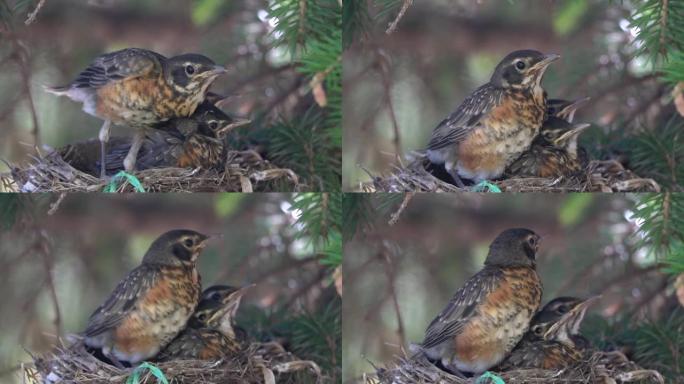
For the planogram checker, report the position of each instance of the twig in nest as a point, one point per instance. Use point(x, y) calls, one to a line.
point(395, 216)
point(393, 25)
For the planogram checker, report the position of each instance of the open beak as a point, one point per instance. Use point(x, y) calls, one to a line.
point(548, 59)
point(543, 63)
point(219, 69)
point(576, 130)
point(214, 71)
point(229, 127)
point(568, 112)
point(230, 305)
point(570, 323)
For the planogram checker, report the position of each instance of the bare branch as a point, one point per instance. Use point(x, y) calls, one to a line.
point(32, 16)
point(395, 216)
point(393, 25)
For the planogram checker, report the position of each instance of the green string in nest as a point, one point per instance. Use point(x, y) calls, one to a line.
point(111, 186)
point(488, 375)
point(156, 372)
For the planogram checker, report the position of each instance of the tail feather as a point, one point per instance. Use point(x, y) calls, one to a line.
point(59, 91)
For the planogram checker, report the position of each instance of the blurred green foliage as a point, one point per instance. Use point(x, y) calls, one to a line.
point(574, 208)
point(206, 11)
point(568, 18)
point(662, 222)
point(227, 203)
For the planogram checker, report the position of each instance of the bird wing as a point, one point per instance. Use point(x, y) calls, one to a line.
point(461, 307)
point(122, 300)
point(158, 150)
point(466, 117)
point(162, 149)
point(119, 65)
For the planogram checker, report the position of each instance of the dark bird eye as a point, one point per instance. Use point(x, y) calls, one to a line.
point(215, 296)
point(201, 317)
point(537, 329)
point(189, 243)
point(520, 65)
point(189, 69)
point(532, 241)
point(213, 125)
point(562, 309)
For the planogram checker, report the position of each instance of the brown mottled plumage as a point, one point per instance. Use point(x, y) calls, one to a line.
point(487, 317)
point(152, 303)
point(197, 141)
point(553, 341)
point(211, 332)
point(496, 123)
point(139, 87)
point(554, 153)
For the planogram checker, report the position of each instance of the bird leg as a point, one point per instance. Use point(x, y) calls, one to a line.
point(104, 138)
point(453, 370)
point(129, 161)
point(457, 179)
point(107, 352)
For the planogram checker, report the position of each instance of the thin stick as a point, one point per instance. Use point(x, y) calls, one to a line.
point(390, 109)
point(663, 27)
point(395, 216)
point(44, 249)
point(391, 277)
point(32, 16)
point(54, 206)
point(393, 25)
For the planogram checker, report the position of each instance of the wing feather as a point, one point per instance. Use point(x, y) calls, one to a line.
point(461, 307)
point(121, 301)
point(466, 117)
point(114, 66)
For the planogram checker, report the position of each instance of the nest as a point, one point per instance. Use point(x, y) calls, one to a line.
point(600, 367)
point(244, 171)
point(260, 363)
point(600, 176)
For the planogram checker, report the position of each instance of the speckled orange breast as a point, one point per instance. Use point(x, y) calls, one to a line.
point(142, 101)
point(500, 321)
point(159, 315)
point(501, 137)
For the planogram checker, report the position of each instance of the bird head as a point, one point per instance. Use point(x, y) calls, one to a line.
point(514, 247)
point(217, 308)
point(213, 122)
point(562, 134)
point(191, 73)
point(179, 247)
point(522, 69)
point(561, 318)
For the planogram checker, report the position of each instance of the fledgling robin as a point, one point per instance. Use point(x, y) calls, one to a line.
point(211, 333)
point(553, 341)
point(194, 142)
point(554, 153)
point(152, 304)
point(487, 317)
point(495, 124)
point(139, 87)
point(197, 141)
